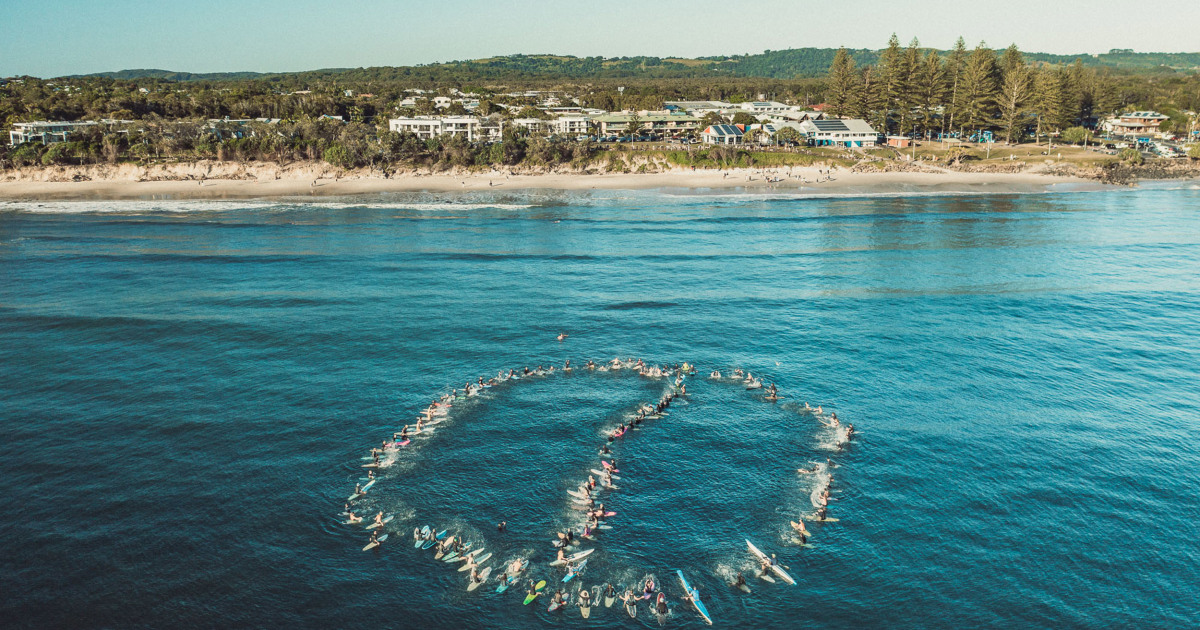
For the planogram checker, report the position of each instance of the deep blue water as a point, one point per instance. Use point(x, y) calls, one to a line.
point(186, 390)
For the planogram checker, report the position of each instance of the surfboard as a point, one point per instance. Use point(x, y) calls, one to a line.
point(579, 494)
point(537, 590)
point(442, 550)
point(376, 543)
point(478, 561)
point(741, 587)
point(775, 568)
point(695, 596)
point(578, 570)
point(386, 520)
point(585, 610)
point(483, 576)
point(557, 606)
point(576, 557)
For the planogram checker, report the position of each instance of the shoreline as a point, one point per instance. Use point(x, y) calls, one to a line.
point(843, 182)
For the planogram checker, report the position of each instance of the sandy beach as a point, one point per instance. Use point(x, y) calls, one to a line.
point(255, 184)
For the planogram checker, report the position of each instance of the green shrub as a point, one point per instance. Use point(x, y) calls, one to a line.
point(1132, 156)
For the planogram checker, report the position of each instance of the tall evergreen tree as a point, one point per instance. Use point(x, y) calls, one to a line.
point(979, 88)
point(956, 64)
point(1048, 102)
point(891, 76)
point(1015, 92)
point(931, 90)
point(842, 83)
point(907, 97)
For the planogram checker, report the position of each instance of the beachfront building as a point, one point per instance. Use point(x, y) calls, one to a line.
point(699, 108)
point(1136, 124)
point(571, 126)
point(664, 123)
point(535, 126)
point(840, 132)
point(47, 132)
point(427, 127)
point(758, 108)
point(722, 134)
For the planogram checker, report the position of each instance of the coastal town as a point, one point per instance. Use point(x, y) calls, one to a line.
point(913, 109)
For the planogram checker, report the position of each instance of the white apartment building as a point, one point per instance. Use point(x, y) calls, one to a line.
point(571, 125)
point(46, 132)
point(426, 127)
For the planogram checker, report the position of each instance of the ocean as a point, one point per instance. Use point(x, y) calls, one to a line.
point(188, 390)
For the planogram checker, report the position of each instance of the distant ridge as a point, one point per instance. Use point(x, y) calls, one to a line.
point(773, 64)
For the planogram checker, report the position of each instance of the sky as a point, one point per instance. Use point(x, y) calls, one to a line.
point(48, 38)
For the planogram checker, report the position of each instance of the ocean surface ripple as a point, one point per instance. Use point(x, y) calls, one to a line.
point(187, 389)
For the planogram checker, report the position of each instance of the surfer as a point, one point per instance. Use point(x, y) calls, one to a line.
point(609, 591)
point(374, 538)
point(353, 519)
point(661, 605)
point(358, 486)
point(559, 602)
point(585, 598)
point(379, 520)
point(740, 580)
point(502, 526)
point(562, 336)
point(648, 590)
point(764, 568)
point(370, 475)
point(562, 556)
point(715, 374)
point(474, 575)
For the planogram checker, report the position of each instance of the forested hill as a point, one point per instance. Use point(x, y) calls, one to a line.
point(775, 64)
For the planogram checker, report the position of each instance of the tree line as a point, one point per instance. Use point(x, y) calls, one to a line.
point(910, 90)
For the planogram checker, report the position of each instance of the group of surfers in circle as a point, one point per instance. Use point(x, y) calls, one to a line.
point(453, 548)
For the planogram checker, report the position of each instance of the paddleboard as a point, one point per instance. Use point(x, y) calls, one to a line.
point(386, 520)
point(775, 568)
point(483, 576)
point(376, 543)
point(695, 596)
point(537, 590)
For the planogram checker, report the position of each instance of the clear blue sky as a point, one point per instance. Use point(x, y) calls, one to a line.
point(55, 37)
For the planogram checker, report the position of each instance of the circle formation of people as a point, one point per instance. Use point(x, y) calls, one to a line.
point(593, 515)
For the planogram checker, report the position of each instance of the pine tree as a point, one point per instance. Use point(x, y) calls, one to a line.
point(907, 96)
point(1048, 102)
point(931, 90)
point(842, 83)
point(1015, 92)
point(870, 95)
point(891, 76)
point(955, 66)
point(979, 88)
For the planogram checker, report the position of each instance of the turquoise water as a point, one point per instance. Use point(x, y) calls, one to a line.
point(187, 389)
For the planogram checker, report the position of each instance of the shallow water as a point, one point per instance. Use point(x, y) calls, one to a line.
point(187, 389)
